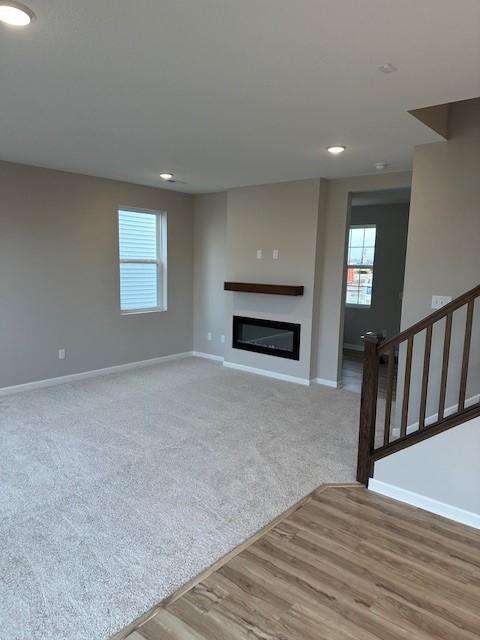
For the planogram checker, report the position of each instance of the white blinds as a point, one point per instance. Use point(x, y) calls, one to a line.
point(139, 260)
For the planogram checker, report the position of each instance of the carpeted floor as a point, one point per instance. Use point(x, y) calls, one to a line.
point(116, 490)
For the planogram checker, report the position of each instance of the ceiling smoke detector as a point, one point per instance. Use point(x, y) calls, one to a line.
point(166, 176)
point(387, 68)
point(379, 166)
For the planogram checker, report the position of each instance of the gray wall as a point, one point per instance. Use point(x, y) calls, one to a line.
point(59, 283)
point(391, 245)
point(210, 214)
point(278, 216)
point(328, 315)
point(443, 468)
point(443, 258)
point(443, 254)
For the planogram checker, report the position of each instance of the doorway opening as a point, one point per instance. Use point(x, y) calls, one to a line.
point(375, 252)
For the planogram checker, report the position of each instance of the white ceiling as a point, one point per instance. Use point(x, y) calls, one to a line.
point(230, 92)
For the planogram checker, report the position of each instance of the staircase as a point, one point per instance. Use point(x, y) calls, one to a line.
point(379, 439)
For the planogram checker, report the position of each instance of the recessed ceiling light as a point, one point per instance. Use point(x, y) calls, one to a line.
point(379, 166)
point(166, 176)
point(15, 14)
point(336, 149)
point(387, 68)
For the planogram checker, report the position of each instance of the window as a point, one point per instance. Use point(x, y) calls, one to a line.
point(361, 254)
point(142, 245)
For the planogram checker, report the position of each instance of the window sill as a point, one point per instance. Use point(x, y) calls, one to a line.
point(137, 312)
point(358, 306)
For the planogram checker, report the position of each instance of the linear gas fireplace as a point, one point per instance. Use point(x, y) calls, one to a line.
point(273, 338)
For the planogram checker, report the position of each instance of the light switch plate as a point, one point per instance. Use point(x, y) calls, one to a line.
point(440, 301)
point(259, 254)
point(275, 254)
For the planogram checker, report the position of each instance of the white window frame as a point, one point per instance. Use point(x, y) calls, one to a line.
point(161, 261)
point(352, 305)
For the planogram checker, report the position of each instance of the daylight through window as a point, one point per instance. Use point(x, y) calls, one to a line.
point(142, 245)
point(361, 254)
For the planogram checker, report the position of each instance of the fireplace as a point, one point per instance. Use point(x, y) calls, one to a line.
point(281, 339)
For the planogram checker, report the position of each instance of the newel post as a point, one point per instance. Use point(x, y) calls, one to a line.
point(368, 406)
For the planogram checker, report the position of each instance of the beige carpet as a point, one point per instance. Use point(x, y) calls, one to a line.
point(116, 490)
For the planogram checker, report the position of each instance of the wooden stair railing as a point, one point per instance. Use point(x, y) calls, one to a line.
point(376, 349)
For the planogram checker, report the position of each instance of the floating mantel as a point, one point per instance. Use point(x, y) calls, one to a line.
point(254, 287)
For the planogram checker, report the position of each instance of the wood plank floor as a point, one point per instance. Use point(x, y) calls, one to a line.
point(352, 372)
point(346, 564)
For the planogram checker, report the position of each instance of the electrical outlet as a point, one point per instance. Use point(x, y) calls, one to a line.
point(259, 254)
point(209, 336)
point(61, 354)
point(222, 339)
point(275, 254)
point(440, 301)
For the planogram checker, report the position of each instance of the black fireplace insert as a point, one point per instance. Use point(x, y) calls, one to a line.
point(281, 339)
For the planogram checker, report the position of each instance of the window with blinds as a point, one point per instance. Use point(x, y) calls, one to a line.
point(142, 250)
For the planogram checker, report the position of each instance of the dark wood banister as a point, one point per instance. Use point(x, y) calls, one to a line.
point(419, 436)
point(452, 306)
point(375, 348)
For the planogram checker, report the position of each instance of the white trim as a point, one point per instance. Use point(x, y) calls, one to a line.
point(327, 383)
point(207, 356)
point(352, 305)
point(267, 373)
point(160, 260)
point(354, 347)
point(136, 312)
point(51, 382)
point(424, 502)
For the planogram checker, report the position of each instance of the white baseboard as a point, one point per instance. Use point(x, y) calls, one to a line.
point(73, 377)
point(423, 502)
point(267, 373)
point(354, 347)
point(327, 383)
point(207, 356)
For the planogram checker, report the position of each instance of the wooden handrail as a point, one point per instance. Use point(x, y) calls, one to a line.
point(420, 436)
point(375, 349)
point(368, 407)
point(431, 319)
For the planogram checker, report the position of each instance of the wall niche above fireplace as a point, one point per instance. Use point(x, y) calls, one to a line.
point(281, 339)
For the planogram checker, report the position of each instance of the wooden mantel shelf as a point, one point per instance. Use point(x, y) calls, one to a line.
point(255, 287)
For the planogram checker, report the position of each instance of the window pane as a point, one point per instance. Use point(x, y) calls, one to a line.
point(359, 286)
point(137, 235)
point(355, 255)
point(365, 295)
point(138, 286)
point(368, 255)
point(370, 235)
point(352, 294)
point(356, 237)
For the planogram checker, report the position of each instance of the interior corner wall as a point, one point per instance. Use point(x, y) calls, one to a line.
point(279, 216)
point(319, 254)
point(443, 256)
point(59, 275)
point(329, 309)
point(210, 219)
